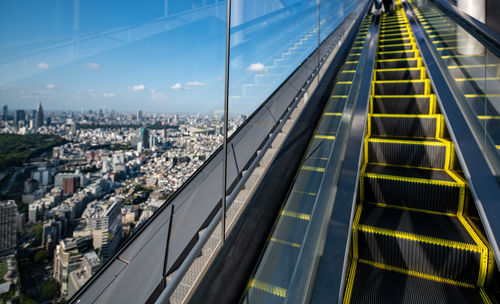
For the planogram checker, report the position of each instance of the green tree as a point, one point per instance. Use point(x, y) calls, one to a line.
point(41, 256)
point(37, 231)
point(49, 289)
point(26, 300)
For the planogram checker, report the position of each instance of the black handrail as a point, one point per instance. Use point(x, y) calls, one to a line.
point(479, 30)
point(332, 269)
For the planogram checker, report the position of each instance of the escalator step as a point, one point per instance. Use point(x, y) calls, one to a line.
point(400, 105)
point(386, 286)
point(414, 153)
point(403, 126)
point(396, 47)
point(393, 41)
point(433, 244)
point(398, 63)
point(401, 87)
point(478, 86)
point(396, 55)
point(464, 60)
point(433, 190)
point(459, 71)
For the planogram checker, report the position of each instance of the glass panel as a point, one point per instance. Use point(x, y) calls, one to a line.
point(475, 69)
point(269, 39)
point(108, 105)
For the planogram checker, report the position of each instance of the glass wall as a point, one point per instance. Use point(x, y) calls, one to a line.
point(110, 106)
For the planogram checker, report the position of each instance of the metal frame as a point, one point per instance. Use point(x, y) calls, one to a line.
point(462, 126)
point(332, 267)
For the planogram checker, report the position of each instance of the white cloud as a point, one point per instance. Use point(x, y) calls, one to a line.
point(196, 84)
point(220, 78)
point(91, 66)
point(42, 65)
point(137, 88)
point(158, 96)
point(50, 86)
point(108, 95)
point(257, 67)
point(176, 86)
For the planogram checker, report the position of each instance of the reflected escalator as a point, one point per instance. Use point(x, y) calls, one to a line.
point(412, 241)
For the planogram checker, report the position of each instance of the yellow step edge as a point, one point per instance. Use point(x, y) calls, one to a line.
point(410, 38)
point(275, 290)
point(304, 192)
point(397, 69)
point(408, 33)
point(399, 44)
point(394, 52)
point(402, 96)
point(420, 238)
point(344, 82)
point(397, 59)
point(477, 79)
point(350, 283)
point(397, 30)
point(332, 114)
point(338, 96)
point(311, 168)
point(481, 95)
point(400, 81)
point(416, 274)
point(382, 205)
point(296, 245)
point(330, 137)
point(472, 66)
point(298, 215)
point(488, 117)
point(405, 115)
point(446, 41)
point(461, 56)
point(407, 142)
point(411, 179)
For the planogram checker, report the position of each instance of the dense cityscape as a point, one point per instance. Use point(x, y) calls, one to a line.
point(75, 185)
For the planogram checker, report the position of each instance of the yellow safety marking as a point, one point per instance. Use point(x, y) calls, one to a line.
point(446, 41)
point(397, 59)
point(397, 69)
point(396, 39)
point(491, 257)
point(296, 245)
point(447, 48)
point(344, 82)
point(481, 95)
point(301, 216)
point(477, 79)
point(497, 146)
point(472, 66)
point(427, 86)
point(349, 71)
point(419, 238)
point(397, 34)
point(315, 157)
point(124, 261)
point(410, 179)
point(332, 114)
point(304, 192)
point(406, 116)
point(396, 30)
point(394, 52)
point(402, 81)
point(399, 44)
point(338, 96)
point(442, 35)
point(350, 283)
point(483, 249)
point(392, 27)
point(412, 209)
point(311, 168)
point(355, 54)
point(488, 117)
point(355, 225)
point(324, 136)
point(351, 61)
point(402, 96)
point(275, 290)
point(439, 126)
point(357, 47)
point(432, 104)
point(461, 56)
point(484, 296)
point(416, 274)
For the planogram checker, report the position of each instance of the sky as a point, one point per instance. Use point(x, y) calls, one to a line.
point(149, 55)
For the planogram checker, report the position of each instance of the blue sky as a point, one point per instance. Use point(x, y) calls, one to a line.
point(150, 55)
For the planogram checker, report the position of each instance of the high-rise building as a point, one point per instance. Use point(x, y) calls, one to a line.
point(39, 116)
point(8, 226)
point(5, 114)
point(68, 257)
point(19, 116)
point(144, 135)
point(139, 115)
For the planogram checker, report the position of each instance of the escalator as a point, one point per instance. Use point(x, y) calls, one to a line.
point(412, 238)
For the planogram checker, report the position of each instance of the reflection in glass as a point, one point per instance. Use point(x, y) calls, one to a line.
point(109, 106)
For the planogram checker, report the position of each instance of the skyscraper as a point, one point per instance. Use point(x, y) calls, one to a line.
point(144, 137)
point(19, 116)
point(8, 226)
point(39, 116)
point(5, 114)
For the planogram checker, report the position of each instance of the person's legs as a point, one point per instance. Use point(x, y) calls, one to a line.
point(387, 6)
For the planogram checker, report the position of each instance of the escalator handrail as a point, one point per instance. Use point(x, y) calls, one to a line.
point(476, 28)
point(332, 268)
point(477, 161)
